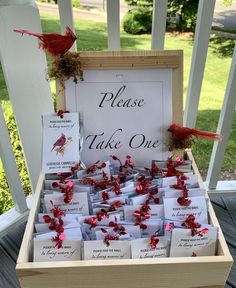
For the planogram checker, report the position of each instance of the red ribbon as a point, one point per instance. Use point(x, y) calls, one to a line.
point(66, 188)
point(95, 167)
point(153, 241)
point(92, 221)
point(61, 112)
point(56, 224)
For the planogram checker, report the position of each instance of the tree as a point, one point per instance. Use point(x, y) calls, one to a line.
point(185, 10)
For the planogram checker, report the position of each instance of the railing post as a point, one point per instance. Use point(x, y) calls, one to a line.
point(159, 24)
point(201, 40)
point(24, 67)
point(113, 24)
point(66, 17)
point(9, 164)
point(224, 127)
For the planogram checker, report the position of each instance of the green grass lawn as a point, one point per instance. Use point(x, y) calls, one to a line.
point(93, 37)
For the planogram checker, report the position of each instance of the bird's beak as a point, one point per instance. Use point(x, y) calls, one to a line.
point(74, 37)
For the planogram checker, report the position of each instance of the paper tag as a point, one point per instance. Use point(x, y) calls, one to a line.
point(156, 211)
point(197, 208)
point(44, 250)
point(79, 203)
point(184, 244)
point(153, 226)
point(194, 192)
point(44, 227)
point(97, 250)
point(138, 200)
point(128, 188)
point(192, 180)
point(168, 181)
point(70, 233)
point(140, 248)
point(69, 218)
point(60, 142)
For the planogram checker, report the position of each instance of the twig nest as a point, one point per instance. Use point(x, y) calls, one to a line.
point(177, 144)
point(66, 66)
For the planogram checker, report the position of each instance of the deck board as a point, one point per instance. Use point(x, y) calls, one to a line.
point(12, 241)
point(230, 204)
point(226, 224)
point(232, 275)
point(8, 277)
point(225, 209)
point(218, 200)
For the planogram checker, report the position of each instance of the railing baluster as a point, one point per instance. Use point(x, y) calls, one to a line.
point(201, 40)
point(10, 167)
point(66, 17)
point(113, 24)
point(159, 24)
point(224, 127)
point(24, 66)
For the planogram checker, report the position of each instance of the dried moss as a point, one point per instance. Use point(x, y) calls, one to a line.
point(66, 66)
point(177, 144)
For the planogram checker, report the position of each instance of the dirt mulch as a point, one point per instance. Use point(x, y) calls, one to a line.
point(224, 175)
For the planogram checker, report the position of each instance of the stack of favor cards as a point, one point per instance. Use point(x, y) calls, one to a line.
point(115, 209)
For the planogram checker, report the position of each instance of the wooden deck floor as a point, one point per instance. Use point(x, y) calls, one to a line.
point(225, 208)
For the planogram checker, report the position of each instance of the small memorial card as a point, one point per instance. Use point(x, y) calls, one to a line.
point(141, 248)
point(45, 251)
point(97, 250)
point(197, 208)
point(183, 243)
point(78, 204)
point(60, 142)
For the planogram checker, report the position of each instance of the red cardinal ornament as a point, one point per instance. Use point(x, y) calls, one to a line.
point(60, 142)
point(183, 133)
point(182, 137)
point(54, 44)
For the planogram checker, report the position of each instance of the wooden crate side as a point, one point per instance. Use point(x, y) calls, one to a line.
point(222, 248)
point(146, 274)
point(29, 229)
point(61, 99)
point(130, 59)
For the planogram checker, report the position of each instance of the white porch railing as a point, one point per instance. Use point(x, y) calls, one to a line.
point(24, 69)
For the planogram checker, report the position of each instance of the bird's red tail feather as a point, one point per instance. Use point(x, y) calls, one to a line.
point(28, 32)
point(207, 135)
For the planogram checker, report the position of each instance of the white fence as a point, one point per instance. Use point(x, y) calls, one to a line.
point(24, 70)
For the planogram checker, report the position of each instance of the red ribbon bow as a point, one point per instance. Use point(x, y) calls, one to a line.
point(117, 228)
point(66, 188)
point(153, 241)
point(109, 237)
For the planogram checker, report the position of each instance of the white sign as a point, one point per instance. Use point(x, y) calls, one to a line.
point(124, 112)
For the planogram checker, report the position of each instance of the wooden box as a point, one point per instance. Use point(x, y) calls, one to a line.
point(179, 272)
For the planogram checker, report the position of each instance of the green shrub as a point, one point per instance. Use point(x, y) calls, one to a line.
point(5, 195)
point(188, 17)
point(138, 20)
point(76, 4)
point(184, 10)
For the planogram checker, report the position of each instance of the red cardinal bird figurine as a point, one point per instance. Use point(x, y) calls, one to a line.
point(60, 142)
point(54, 44)
point(183, 133)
